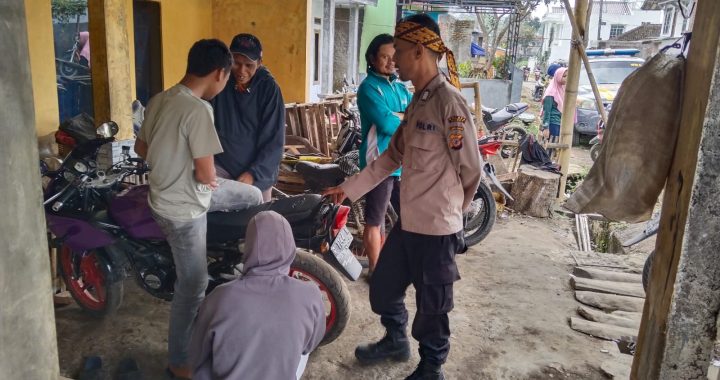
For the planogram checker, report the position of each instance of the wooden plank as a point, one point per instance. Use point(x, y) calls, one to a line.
point(599, 274)
point(700, 74)
point(608, 318)
point(602, 330)
point(609, 287)
point(627, 314)
point(319, 112)
point(610, 302)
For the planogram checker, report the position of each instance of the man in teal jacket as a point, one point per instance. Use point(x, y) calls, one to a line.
point(382, 99)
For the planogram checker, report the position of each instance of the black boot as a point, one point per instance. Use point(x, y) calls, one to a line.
point(394, 345)
point(426, 371)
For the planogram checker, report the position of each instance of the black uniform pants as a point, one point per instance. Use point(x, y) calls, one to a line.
point(428, 263)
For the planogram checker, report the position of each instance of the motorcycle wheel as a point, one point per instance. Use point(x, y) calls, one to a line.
point(481, 217)
point(594, 152)
point(87, 276)
point(335, 293)
point(515, 134)
point(646, 270)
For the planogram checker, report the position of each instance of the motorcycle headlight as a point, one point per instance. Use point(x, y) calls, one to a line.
point(586, 103)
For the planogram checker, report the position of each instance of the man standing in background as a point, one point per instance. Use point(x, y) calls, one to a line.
point(250, 119)
point(382, 99)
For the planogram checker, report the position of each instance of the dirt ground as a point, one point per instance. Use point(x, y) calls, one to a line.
point(509, 322)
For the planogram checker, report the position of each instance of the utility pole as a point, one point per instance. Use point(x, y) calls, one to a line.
point(600, 20)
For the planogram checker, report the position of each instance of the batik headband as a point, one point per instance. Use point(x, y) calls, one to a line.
point(417, 34)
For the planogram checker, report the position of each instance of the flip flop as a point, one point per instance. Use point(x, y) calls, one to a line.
point(128, 370)
point(92, 369)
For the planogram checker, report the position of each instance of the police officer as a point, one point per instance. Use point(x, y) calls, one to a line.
point(437, 148)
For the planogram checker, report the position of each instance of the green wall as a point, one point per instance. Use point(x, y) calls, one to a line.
point(379, 19)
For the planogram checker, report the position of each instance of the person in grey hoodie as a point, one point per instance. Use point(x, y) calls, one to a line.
point(264, 324)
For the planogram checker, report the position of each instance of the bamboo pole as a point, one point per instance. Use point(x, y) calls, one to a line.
point(581, 48)
point(568, 112)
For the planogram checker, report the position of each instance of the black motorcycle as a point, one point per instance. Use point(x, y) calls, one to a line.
point(101, 224)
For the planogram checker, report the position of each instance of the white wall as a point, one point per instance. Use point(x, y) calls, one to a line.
point(317, 12)
point(560, 48)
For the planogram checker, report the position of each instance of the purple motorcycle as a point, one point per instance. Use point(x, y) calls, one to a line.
point(103, 230)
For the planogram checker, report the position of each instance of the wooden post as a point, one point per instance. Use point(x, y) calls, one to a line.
point(567, 121)
point(679, 318)
point(586, 61)
point(110, 62)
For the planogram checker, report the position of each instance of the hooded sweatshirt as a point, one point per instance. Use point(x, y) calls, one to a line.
point(259, 326)
point(251, 127)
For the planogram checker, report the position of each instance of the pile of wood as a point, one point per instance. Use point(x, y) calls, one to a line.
point(317, 123)
point(612, 303)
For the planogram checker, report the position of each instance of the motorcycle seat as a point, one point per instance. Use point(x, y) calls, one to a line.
point(320, 176)
point(225, 226)
point(516, 107)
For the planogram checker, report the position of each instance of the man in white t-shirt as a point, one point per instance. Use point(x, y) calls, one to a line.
point(178, 140)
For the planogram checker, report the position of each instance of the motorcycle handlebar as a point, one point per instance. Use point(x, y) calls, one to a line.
point(69, 193)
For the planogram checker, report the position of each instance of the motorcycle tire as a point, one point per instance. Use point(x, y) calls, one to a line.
point(647, 268)
point(594, 152)
point(481, 221)
point(514, 134)
point(100, 296)
point(336, 296)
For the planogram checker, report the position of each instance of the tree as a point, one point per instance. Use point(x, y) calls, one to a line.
point(495, 26)
point(63, 10)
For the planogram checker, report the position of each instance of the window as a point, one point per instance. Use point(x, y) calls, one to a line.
point(667, 23)
point(616, 30)
point(316, 59)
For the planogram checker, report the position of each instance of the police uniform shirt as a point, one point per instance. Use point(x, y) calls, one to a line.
point(437, 147)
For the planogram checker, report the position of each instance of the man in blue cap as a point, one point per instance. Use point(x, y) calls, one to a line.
point(250, 119)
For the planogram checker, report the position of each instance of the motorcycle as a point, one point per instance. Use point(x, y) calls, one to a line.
point(539, 89)
point(497, 121)
point(103, 229)
point(596, 142)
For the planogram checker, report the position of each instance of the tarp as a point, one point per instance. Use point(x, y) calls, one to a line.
point(476, 50)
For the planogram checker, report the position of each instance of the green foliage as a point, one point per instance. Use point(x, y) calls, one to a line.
point(465, 69)
point(500, 67)
point(64, 10)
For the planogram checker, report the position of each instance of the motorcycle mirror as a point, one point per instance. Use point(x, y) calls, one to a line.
point(108, 129)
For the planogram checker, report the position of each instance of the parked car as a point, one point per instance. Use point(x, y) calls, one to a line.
point(610, 67)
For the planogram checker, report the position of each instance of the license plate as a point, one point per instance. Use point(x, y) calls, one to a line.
point(342, 240)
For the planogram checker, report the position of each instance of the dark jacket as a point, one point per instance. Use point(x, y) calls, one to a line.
point(251, 127)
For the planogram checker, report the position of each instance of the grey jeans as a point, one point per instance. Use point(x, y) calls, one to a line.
point(222, 173)
point(187, 240)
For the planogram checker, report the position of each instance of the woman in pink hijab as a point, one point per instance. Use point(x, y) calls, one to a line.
point(84, 47)
point(553, 101)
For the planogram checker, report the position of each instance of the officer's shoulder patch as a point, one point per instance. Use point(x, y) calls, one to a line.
point(457, 119)
point(455, 140)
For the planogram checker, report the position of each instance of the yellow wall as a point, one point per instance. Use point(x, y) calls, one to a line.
point(183, 23)
point(282, 27)
point(42, 65)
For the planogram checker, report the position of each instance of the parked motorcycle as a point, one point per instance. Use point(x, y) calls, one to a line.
point(497, 121)
point(596, 142)
point(103, 230)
